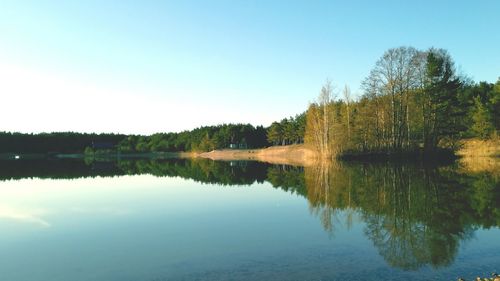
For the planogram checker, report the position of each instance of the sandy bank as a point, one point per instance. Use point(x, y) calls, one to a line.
point(297, 155)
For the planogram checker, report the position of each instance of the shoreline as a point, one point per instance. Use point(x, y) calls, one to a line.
point(472, 151)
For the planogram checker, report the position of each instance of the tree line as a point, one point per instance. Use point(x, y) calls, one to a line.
point(413, 100)
point(62, 142)
point(205, 138)
point(200, 139)
point(241, 136)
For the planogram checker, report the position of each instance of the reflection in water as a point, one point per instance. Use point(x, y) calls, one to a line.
point(200, 170)
point(23, 215)
point(415, 215)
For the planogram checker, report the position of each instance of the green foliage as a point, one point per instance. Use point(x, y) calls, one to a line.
point(482, 102)
point(275, 133)
point(207, 144)
point(445, 113)
point(65, 142)
point(482, 126)
point(495, 105)
point(142, 144)
point(287, 131)
point(200, 139)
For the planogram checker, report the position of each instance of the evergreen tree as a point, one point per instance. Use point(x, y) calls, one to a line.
point(482, 126)
point(442, 117)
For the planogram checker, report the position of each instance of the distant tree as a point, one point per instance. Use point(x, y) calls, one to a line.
point(275, 133)
point(206, 143)
point(288, 131)
point(495, 105)
point(142, 144)
point(482, 125)
point(300, 120)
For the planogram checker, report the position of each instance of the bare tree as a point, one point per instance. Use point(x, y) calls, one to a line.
point(347, 98)
point(397, 75)
point(320, 119)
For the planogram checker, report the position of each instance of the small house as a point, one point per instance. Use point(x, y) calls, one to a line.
point(102, 145)
point(241, 145)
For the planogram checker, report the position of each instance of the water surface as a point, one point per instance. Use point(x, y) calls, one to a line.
point(205, 220)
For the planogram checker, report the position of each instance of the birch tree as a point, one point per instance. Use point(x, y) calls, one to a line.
point(319, 122)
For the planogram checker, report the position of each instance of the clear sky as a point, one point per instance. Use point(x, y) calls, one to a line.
point(157, 66)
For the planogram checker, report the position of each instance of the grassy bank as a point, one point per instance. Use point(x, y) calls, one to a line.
point(478, 156)
point(479, 148)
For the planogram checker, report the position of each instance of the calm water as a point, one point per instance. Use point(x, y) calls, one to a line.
point(203, 220)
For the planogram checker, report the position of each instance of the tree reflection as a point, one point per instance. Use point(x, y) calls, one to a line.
point(200, 170)
point(415, 215)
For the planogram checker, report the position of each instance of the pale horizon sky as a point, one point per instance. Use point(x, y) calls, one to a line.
point(157, 66)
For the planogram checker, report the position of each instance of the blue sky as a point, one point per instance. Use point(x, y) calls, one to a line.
point(155, 66)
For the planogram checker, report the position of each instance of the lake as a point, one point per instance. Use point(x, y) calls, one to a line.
point(178, 219)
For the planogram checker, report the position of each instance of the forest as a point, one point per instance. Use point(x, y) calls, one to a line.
point(61, 142)
point(206, 138)
point(413, 100)
point(200, 139)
